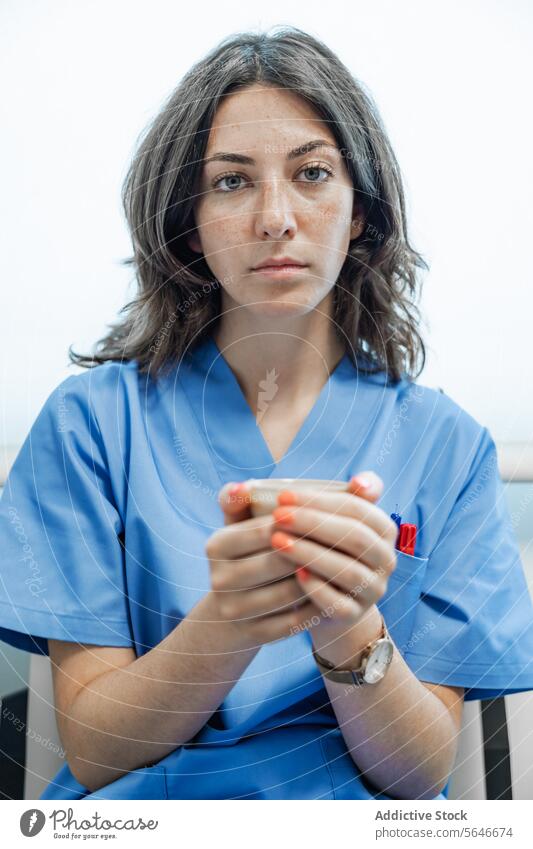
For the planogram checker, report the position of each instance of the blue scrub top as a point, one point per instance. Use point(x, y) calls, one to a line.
point(110, 501)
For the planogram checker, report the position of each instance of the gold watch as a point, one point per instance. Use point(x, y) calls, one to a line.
point(375, 661)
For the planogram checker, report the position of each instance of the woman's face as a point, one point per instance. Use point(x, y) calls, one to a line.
point(259, 197)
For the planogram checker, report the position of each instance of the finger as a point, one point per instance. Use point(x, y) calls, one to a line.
point(263, 601)
point(345, 573)
point(259, 569)
point(330, 601)
point(344, 504)
point(240, 539)
point(234, 498)
point(342, 533)
point(367, 485)
point(266, 628)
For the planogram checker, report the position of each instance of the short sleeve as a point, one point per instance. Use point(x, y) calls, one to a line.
point(61, 535)
point(473, 625)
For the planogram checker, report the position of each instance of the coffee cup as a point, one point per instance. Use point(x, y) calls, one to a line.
point(264, 491)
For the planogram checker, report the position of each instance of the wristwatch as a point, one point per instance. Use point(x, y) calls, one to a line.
point(375, 661)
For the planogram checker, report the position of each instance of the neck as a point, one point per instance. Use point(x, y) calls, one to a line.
point(291, 358)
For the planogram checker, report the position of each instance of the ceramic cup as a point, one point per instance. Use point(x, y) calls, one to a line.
point(264, 491)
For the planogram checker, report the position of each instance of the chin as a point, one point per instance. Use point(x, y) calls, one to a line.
point(284, 307)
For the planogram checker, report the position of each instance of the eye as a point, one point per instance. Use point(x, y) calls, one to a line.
point(230, 175)
point(315, 168)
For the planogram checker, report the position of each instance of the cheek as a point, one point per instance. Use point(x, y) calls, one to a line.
point(216, 226)
point(333, 219)
point(331, 235)
point(221, 243)
point(232, 231)
point(219, 231)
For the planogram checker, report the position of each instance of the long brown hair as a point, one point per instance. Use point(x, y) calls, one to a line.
point(178, 300)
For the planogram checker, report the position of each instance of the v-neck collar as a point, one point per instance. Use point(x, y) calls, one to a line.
point(235, 441)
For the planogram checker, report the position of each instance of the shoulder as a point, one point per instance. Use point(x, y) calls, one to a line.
point(102, 376)
point(431, 428)
point(424, 405)
point(102, 381)
point(432, 411)
point(424, 418)
point(92, 393)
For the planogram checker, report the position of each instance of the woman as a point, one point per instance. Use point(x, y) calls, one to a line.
point(189, 641)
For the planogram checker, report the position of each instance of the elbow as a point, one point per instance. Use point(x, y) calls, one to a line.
point(425, 781)
point(74, 763)
point(412, 791)
point(435, 790)
point(81, 771)
point(407, 781)
point(430, 793)
point(82, 755)
point(78, 770)
point(91, 776)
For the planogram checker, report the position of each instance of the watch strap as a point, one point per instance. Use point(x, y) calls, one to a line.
point(346, 675)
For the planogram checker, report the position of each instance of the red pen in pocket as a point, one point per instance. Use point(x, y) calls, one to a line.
point(407, 539)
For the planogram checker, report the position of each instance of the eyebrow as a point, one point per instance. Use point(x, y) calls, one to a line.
point(242, 159)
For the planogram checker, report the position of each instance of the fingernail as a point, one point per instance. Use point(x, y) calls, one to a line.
point(303, 573)
point(283, 515)
point(362, 482)
point(236, 489)
point(286, 497)
point(282, 541)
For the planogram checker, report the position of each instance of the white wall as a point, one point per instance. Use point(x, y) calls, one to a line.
point(452, 81)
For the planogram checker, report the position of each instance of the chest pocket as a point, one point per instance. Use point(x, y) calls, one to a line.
point(399, 603)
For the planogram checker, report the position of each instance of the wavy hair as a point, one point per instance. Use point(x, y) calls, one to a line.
point(178, 301)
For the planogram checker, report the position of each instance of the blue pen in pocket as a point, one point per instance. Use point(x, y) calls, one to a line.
point(398, 519)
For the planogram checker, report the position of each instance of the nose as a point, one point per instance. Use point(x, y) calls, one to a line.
point(275, 217)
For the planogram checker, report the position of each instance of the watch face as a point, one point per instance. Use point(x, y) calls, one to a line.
point(378, 661)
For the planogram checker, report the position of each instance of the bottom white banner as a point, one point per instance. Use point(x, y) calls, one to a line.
point(243, 823)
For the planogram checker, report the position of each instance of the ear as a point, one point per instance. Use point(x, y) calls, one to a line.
point(358, 221)
point(193, 241)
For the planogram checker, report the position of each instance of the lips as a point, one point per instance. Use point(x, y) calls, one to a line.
point(283, 265)
point(281, 262)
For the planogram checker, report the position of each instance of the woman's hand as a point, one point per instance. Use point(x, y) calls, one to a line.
point(253, 586)
point(344, 546)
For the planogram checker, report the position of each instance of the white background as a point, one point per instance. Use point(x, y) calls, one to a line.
point(451, 80)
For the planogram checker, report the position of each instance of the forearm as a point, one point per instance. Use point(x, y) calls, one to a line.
point(400, 735)
point(133, 716)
